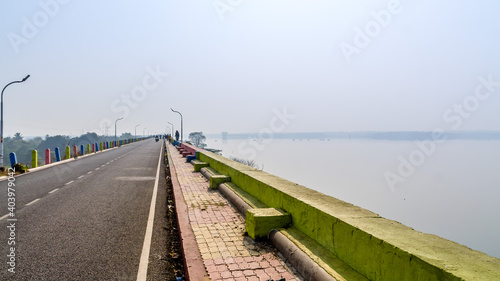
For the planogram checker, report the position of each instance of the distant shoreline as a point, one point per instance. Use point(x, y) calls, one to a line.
point(373, 135)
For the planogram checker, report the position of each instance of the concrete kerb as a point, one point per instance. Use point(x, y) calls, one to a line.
point(193, 262)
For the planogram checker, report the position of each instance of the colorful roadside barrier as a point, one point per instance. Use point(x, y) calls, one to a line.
point(34, 158)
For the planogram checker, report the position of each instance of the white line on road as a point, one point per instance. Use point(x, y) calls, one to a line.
point(89, 172)
point(70, 182)
point(54, 190)
point(3, 217)
point(96, 169)
point(80, 177)
point(107, 163)
point(32, 202)
point(143, 264)
point(102, 166)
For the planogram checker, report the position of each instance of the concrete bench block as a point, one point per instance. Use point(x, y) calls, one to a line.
point(199, 164)
point(215, 180)
point(260, 221)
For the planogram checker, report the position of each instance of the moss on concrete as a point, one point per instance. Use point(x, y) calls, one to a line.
point(215, 180)
point(198, 165)
point(324, 258)
point(377, 248)
point(260, 221)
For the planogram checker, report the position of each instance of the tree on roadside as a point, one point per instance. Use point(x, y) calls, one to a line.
point(18, 137)
point(197, 139)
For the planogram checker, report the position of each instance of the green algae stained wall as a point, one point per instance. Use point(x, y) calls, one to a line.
point(368, 243)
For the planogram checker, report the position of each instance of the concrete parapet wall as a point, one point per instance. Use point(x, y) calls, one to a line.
point(377, 248)
point(191, 149)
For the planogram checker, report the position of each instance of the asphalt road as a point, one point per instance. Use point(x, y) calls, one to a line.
point(86, 219)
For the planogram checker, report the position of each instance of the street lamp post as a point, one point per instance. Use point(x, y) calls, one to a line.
point(135, 130)
point(171, 132)
point(144, 131)
point(181, 122)
point(115, 126)
point(1, 117)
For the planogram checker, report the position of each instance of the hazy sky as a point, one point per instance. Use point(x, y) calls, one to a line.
point(249, 66)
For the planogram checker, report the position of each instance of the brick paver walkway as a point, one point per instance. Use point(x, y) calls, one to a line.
point(220, 233)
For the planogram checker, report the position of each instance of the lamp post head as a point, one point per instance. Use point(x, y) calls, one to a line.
point(26, 78)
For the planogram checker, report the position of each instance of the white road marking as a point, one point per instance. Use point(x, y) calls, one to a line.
point(135, 178)
point(102, 166)
point(96, 169)
point(80, 177)
point(54, 190)
point(3, 217)
point(89, 172)
point(32, 202)
point(143, 264)
point(107, 163)
point(70, 182)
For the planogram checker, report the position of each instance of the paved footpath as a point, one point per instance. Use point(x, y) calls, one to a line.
point(219, 230)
